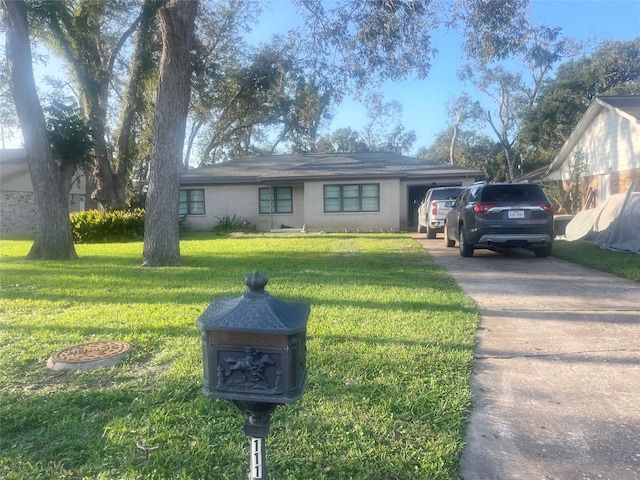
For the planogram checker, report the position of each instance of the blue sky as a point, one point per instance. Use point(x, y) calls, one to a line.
point(424, 101)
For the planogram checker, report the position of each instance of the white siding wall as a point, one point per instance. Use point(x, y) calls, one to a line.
point(19, 184)
point(611, 143)
point(388, 218)
point(242, 201)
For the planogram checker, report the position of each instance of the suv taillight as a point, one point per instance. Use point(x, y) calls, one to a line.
point(547, 207)
point(483, 207)
point(434, 208)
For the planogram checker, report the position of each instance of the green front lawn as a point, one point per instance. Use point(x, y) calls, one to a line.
point(390, 352)
point(623, 264)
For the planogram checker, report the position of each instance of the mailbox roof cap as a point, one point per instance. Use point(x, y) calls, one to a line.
point(255, 311)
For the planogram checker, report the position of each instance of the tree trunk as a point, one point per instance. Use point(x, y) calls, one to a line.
point(53, 236)
point(134, 96)
point(161, 232)
point(452, 147)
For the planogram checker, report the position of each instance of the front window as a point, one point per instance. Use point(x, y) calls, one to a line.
point(276, 200)
point(352, 198)
point(191, 202)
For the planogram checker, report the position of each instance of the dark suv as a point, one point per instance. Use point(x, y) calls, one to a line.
point(501, 215)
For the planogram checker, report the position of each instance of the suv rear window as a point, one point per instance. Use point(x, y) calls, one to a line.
point(445, 193)
point(513, 193)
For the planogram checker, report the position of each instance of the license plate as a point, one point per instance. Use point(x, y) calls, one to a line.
point(516, 213)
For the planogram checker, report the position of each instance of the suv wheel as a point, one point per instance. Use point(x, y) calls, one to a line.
point(543, 251)
point(466, 250)
point(447, 241)
point(431, 233)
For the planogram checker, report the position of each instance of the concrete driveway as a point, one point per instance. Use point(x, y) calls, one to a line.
point(556, 382)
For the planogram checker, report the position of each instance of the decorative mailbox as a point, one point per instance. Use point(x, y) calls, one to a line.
point(254, 347)
point(254, 354)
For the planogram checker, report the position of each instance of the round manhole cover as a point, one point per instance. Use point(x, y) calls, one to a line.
point(89, 355)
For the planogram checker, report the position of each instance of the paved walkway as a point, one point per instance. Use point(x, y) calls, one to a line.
point(556, 381)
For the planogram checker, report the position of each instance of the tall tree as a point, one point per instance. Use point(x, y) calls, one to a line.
point(310, 108)
point(252, 97)
point(342, 140)
point(460, 110)
point(161, 233)
point(383, 131)
point(53, 238)
point(511, 35)
point(505, 89)
point(474, 151)
point(90, 36)
point(221, 51)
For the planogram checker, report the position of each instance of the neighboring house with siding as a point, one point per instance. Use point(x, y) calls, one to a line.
point(320, 192)
point(607, 137)
point(18, 211)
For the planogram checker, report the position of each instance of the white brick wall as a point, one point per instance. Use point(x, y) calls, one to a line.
point(18, 214)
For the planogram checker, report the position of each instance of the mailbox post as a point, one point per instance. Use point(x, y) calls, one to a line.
point(254, 355)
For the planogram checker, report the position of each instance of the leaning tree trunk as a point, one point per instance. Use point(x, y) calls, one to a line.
point(53, 236)
point(161, 229)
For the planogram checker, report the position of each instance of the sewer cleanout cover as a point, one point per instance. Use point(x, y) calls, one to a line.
point(89, 356)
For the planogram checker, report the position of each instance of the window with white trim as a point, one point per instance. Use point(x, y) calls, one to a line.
point(352, 198)
point(191, 202)
point(275, 200)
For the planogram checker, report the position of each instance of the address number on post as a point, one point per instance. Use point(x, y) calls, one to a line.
point(256, 457)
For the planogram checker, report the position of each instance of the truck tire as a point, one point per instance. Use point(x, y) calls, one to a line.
point(466, 250)
point(543, 251)
point(431, 233)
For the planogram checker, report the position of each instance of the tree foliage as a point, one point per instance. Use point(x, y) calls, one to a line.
point(475, 151)
point(511, 35)
point(365, 42)
point(344, 140)
point(383, 131)
point(90, 37)
point(492, 28)
point(9, 124)
point(284, 95)
point(69, 134)
point(268, 102)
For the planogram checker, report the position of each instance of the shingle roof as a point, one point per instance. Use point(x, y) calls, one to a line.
point(322, 166)
point(629, 104)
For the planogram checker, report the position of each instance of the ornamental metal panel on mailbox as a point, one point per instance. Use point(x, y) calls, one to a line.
point(254, 346)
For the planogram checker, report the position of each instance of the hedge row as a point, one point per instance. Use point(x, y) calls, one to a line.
point(92, 226)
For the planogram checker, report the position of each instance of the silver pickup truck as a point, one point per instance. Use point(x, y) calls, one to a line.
point(433, 208)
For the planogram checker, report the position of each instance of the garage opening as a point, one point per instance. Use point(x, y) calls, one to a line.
point(415, 194)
